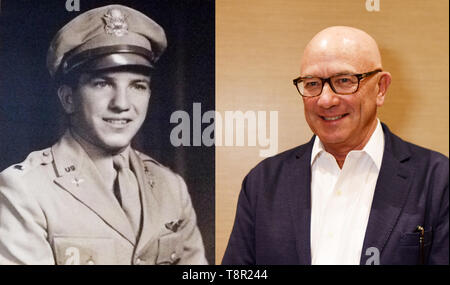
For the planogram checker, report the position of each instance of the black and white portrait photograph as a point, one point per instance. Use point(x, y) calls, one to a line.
point(91, 168)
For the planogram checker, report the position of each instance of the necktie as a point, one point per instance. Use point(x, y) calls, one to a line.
point(126, 184)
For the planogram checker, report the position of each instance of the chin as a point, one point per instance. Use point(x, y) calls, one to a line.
point(334, 139)
point(115, 145)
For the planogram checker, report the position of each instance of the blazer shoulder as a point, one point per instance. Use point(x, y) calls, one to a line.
point(419, 154)
point(430, 154)
point(404, 150)
point(275, 162)
point(429, 161)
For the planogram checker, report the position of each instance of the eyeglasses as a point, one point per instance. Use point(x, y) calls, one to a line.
point(342, 84)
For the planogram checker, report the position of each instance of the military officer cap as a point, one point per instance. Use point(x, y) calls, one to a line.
point(105, 37)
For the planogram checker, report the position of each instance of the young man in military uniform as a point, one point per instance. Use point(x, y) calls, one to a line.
point(91, 198)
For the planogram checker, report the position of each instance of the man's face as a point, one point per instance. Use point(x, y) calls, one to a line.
point(110, 107)
point(342, 121)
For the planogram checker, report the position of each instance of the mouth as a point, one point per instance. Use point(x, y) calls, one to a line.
point(335, 118)
point(117, 122)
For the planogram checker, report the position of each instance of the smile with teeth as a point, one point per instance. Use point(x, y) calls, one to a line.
point(117, 121)
point(333, 118)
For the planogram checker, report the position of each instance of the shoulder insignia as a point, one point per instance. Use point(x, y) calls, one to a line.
point(18, 166)
point(47, 156)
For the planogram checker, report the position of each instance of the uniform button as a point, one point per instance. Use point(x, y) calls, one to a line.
point(90, 262)
point(173, 256)
point(138, 261)
point(46, 153)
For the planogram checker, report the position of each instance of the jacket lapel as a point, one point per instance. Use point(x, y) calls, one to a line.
point(299, 185)
point(391, 191)
point(149, 204)
point(77, 174)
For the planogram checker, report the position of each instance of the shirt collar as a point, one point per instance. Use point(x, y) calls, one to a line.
point(317, 148)
point(374, 147)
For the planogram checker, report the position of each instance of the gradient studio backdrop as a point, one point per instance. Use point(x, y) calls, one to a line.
point(258, 51)
point(30, 116)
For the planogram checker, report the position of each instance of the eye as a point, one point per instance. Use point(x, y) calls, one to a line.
point(100, 83)
point(345, 80)
point(311, 83)
point(140, 86)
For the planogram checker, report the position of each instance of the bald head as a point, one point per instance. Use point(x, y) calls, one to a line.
point(350, 45)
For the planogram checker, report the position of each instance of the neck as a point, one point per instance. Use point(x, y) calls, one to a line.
point(101, 158)
point(340, 151)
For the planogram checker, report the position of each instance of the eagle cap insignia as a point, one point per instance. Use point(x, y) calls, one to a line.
point(115, 22)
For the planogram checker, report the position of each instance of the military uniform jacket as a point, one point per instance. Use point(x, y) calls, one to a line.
point(55, 209)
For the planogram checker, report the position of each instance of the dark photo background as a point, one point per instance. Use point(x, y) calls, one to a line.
point(30, 114)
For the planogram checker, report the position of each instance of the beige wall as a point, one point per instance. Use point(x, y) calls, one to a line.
point(258, 49)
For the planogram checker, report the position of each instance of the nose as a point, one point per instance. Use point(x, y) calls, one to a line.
point(327, 98)
point(120, 101)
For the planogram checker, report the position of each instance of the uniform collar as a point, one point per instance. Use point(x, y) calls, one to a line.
point(101, 159)
point(68, 155)
point(78, 175)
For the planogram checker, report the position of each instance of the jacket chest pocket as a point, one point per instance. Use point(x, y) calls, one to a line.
point(83, 251)
point(170, 249)
point(411, 250)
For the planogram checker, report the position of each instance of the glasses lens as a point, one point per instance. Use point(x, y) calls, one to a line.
point(344, 84)
point(310, 86)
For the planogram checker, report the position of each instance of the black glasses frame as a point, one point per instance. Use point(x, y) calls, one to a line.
point(360, 76)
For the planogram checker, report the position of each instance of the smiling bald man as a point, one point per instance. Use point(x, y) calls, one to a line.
point(355, 193)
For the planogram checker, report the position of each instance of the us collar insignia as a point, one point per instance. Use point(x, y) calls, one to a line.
point(116, 23)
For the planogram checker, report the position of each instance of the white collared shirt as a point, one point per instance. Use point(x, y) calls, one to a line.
point(341, 200)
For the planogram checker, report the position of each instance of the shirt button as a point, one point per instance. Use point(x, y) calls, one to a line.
point(173, 256)
point(138, 261)
point(90, 262)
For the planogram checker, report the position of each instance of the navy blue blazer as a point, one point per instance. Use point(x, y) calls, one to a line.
point(273, 216)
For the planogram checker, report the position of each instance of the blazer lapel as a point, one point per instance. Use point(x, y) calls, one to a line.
point(299, 185)
point(77, 174)
point(391, 191)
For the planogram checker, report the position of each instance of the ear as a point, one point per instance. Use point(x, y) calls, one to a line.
point(383, 85)
point(65, 94)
